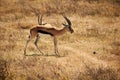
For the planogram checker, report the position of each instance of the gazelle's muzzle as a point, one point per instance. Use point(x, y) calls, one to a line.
point(71, 30)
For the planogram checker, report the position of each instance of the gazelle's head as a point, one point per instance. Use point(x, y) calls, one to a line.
point(68, 26)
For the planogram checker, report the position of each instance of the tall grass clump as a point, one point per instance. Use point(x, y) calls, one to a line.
point(3, 69)
point(81, 7)
point(99, 73)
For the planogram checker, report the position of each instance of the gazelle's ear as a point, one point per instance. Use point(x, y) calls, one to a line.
point(64, 24)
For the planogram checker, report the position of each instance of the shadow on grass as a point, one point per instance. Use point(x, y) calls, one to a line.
point(46, 55)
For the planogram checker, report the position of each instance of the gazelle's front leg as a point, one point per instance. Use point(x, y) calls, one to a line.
point(55, 46)
point(36, 40)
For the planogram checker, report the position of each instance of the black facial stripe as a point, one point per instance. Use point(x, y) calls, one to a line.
point(44, 32)
point(70, 28)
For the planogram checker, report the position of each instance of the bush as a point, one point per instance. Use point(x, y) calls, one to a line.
point(3, 70)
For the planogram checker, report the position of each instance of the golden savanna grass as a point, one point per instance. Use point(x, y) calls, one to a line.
point(92, 52)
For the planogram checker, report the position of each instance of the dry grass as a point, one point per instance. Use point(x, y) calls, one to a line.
point(24, 8)
point(92, 52)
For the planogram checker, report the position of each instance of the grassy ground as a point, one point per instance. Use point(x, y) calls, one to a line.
point(92, 52)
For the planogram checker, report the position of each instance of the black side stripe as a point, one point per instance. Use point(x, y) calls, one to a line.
point(44, 32)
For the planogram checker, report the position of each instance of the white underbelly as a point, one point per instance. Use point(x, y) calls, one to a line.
point(44, 35)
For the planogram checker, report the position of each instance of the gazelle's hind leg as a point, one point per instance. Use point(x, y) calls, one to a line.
point(36, 40)
point(28, 40)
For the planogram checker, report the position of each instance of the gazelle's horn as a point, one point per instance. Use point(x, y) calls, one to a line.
point(68, 21)
point(40, 20)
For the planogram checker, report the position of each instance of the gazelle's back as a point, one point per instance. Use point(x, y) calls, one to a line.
point(44, 30)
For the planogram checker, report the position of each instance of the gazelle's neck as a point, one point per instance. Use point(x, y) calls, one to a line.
point(62, 31)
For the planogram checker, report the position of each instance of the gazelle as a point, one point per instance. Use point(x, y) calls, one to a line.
point(34, 33)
